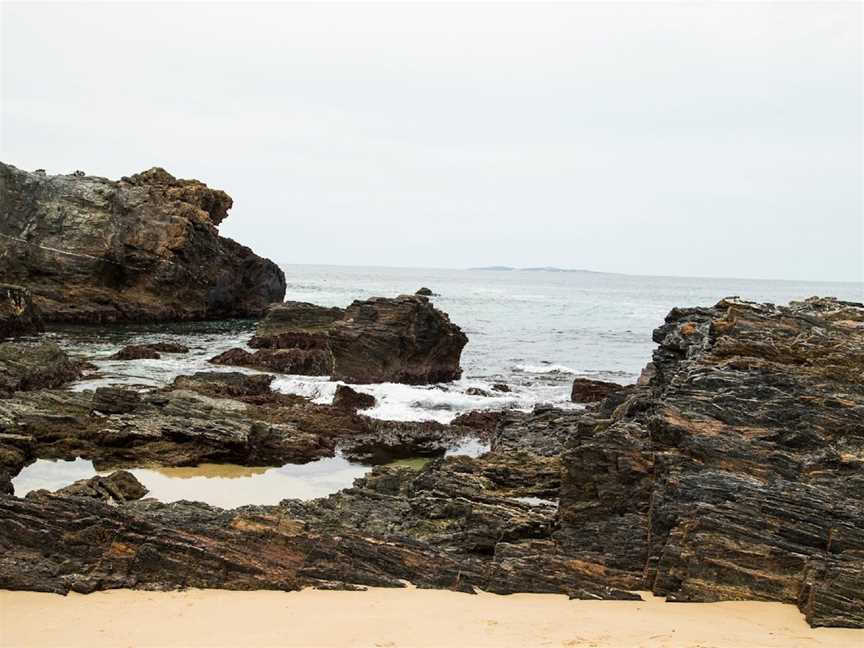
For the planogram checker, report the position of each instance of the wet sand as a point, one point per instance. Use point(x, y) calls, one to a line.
point(393, 617)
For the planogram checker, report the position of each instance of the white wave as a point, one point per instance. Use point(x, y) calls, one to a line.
point(441, 403)
point(545, 369)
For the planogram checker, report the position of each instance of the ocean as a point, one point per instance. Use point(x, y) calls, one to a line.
point(533, 330)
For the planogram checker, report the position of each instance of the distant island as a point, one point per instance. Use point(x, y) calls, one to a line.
point(539, 269)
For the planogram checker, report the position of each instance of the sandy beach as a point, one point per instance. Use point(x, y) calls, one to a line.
point(392, 617)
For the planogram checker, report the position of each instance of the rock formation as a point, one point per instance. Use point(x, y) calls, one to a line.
point(735, 472)
point(591, 391)
point(352, 399)
point(738, 471)
point(144, 248)
point(148, 351)
point(404, 339)
point(25, 366)
point(18, 316)
point(120, 486)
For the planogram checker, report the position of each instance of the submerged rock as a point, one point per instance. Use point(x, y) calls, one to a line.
point(586, 390)
point(148, 351)
point(18, 315)
point(144, 248)
point(404, 339)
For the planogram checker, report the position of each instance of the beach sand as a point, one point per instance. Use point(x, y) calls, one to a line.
point(394, 617)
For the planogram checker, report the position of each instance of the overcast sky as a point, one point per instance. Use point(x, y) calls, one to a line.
point(682, 139)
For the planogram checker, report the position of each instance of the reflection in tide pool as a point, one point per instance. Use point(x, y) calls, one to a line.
point(222, 485)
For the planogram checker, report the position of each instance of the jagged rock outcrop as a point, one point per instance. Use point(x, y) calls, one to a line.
point(453, 525)
point(18, 315)
point(27, 366)
point(738, 471)
point(735, 472)
point(403, 339)
point(351, 399)
point(144, 248)
point(209, 417)
point(120, 486)
point(585, 390)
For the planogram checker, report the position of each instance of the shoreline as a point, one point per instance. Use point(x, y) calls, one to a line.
point(396, 617)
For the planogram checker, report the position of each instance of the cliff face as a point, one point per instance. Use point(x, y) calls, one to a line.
point(144, 248)
point(738, 472)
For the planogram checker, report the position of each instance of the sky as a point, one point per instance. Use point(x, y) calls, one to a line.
point(690, 139)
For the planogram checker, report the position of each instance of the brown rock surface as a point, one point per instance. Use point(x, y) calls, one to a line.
point(738, 471)
point(404, 339)
point(18, 315)
point(586, 390)
point(144, 248)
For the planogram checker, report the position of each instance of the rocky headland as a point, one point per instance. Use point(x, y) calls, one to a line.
point(142, 248)
point(735, 472)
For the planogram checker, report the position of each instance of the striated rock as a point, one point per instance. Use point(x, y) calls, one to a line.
point(18, 315)
point(545, 431)
point(144, 248)
point(210, 417)
point(591, 391)
point(737, 472)
point(148, 351)
point(38, 365)
point(351, 399)
point(312, 362)
point(119, 486)
point(404, 339)
point(454, 525)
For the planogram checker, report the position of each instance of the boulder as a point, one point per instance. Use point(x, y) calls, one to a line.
point(35, 365)
point(425, 292)
point(403, 339)
point(148, 351)
point(143, 248)
point(591, 391)
point(351, 399)
point(314, 362)
point(119, 486)
point(18, 315)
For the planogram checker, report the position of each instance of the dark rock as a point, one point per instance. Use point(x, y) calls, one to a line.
point(736, 472)
point(351, 399)
point(501, 387)
point(18, 315)
point(227, 384)
point(148, 351)
point(425, 292)
point(119, 486)
point(404, 339)
point(144, 248)
point(312, 362)
point(115, 400)
point(27, 366)
point(591, 391)
point(483, 421)
point(376, 441)
point(476, 391)
point(544, 431)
